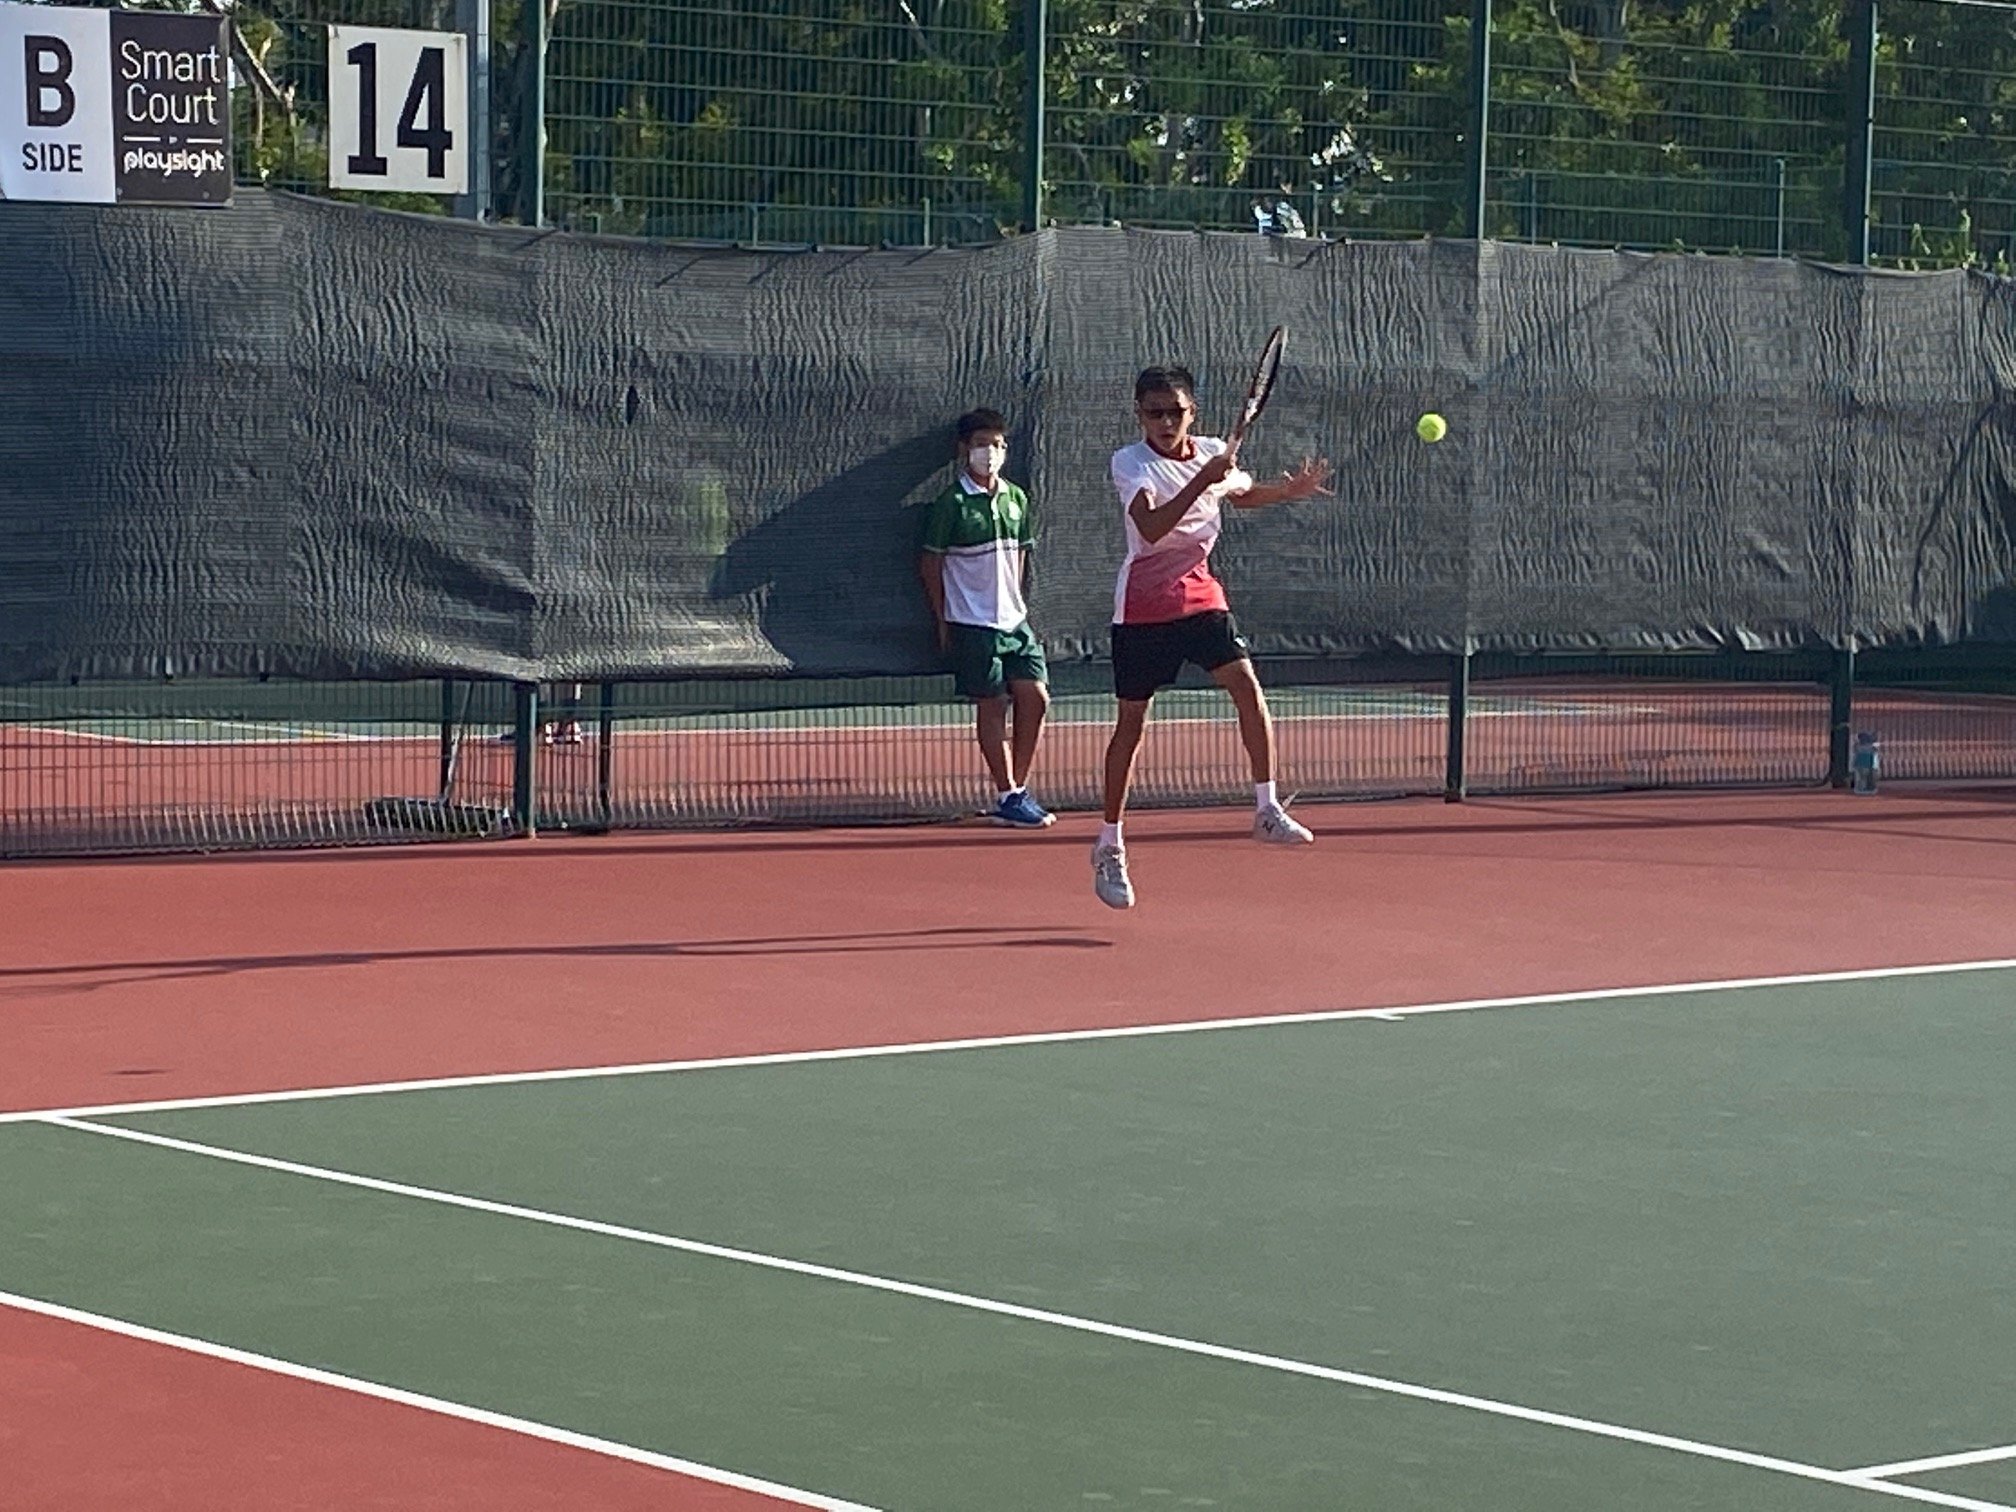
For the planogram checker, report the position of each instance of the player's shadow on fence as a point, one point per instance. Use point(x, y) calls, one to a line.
point(833, 574)
point(15, 981)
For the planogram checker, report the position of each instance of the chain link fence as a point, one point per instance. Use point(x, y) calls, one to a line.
point(1726, 128)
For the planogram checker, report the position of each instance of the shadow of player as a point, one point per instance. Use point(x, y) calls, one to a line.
point(833, 574)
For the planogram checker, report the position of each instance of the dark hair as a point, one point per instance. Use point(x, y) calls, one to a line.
point(1155, 380)
point(975, 421)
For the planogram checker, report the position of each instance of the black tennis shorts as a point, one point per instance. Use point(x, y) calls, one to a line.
point(1146, 658)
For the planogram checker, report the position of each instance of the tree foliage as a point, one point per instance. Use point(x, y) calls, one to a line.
point(1717, 124)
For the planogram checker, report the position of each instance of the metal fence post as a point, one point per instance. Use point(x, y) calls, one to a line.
point(448, 728)
point(1478, 199)
point(1840, 716)
point(1781, 206)
point(524, 758)
point(472, 17)
point(1859, 17)
point(1035, 53)
point(1456, 774)
point(605, 754)
point(532, 116)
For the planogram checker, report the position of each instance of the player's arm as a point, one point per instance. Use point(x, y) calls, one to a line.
point(1155, 521)
point(932, 570)
point(1025, 541)
point(1305, 482)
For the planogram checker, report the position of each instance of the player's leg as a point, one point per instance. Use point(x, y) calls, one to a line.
point(1224, 654)
point(1145, 658)
point(1129, 727)
point(979, 674)
point(1031, 704)
point(1115, 888)
point(990, 727)
point(1256, 724)
point(1028, 676)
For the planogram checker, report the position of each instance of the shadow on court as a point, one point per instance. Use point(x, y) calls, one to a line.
point(872, 942)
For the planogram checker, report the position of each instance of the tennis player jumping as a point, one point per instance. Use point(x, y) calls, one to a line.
point(1168, 609)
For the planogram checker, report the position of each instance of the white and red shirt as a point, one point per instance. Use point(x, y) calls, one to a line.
point(1170, 579)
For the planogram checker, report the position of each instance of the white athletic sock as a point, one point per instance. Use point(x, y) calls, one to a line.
point(1109, 834)
point(1263, 795)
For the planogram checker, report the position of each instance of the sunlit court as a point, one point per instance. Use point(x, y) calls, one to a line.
point(1007, 756)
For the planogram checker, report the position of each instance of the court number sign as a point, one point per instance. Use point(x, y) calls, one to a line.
point(398, 110)
point(100, 107)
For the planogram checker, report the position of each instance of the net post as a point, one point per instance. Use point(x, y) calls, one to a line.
point(447, 734)
point(1840, 716)
point(1035, 53)
point(1456, 777)
point(524, 758)
point(1478, 157)
point(605, 752)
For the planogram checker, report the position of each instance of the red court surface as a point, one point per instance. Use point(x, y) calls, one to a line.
point(93, 1421)
point(123, 981)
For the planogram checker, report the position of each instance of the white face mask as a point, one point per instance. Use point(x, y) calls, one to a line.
point(987, 461)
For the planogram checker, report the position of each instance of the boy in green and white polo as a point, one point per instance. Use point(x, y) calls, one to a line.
point(977, 540)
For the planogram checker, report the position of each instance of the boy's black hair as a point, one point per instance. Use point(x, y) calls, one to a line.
point(1173, 379)
point(975, 421)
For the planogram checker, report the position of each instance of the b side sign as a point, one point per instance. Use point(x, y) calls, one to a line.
point(113, 107)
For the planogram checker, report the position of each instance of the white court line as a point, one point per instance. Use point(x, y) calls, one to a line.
point(999, 1042)
point(1939, 1462)
point(1070, 1321)
point(438, 1405)
point(266, 735)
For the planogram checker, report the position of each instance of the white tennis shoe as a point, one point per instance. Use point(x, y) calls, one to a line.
point(1109, 876)
point(1272, 826)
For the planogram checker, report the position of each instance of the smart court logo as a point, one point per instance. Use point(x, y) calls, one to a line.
point(98, 107)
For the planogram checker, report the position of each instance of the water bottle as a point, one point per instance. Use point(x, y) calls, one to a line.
point(1866, 762)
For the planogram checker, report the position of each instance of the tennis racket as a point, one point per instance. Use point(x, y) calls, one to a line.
point(1257, 392)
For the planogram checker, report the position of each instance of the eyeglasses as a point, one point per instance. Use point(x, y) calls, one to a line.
point(1171, 415)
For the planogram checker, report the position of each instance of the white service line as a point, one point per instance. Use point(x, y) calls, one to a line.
point(444, 1408)
point(998, 1042)
point(1938, 1462)
point(1070, 1321)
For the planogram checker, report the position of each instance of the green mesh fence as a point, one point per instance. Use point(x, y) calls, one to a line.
point(1661, 129)
point(1943, 182)
point(748, 120)
point(1217, 116)
point(1708, 128)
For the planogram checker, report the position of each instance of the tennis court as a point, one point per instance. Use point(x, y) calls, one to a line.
point(1646, 1152)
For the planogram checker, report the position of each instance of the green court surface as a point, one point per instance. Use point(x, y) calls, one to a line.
point(1770, 1227)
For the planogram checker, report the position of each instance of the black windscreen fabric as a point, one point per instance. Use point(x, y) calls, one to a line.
point(317, 440)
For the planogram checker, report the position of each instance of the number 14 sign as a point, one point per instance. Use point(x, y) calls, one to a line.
point(398, 110)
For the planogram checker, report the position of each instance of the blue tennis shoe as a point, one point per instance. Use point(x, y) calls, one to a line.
point(1022, 811)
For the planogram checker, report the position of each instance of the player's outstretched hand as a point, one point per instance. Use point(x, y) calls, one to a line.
point(1307, 481)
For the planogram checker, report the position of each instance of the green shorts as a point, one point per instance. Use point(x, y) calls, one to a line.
point(985, 661)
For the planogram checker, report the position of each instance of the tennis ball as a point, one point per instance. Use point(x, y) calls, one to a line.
point(1431, 427)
